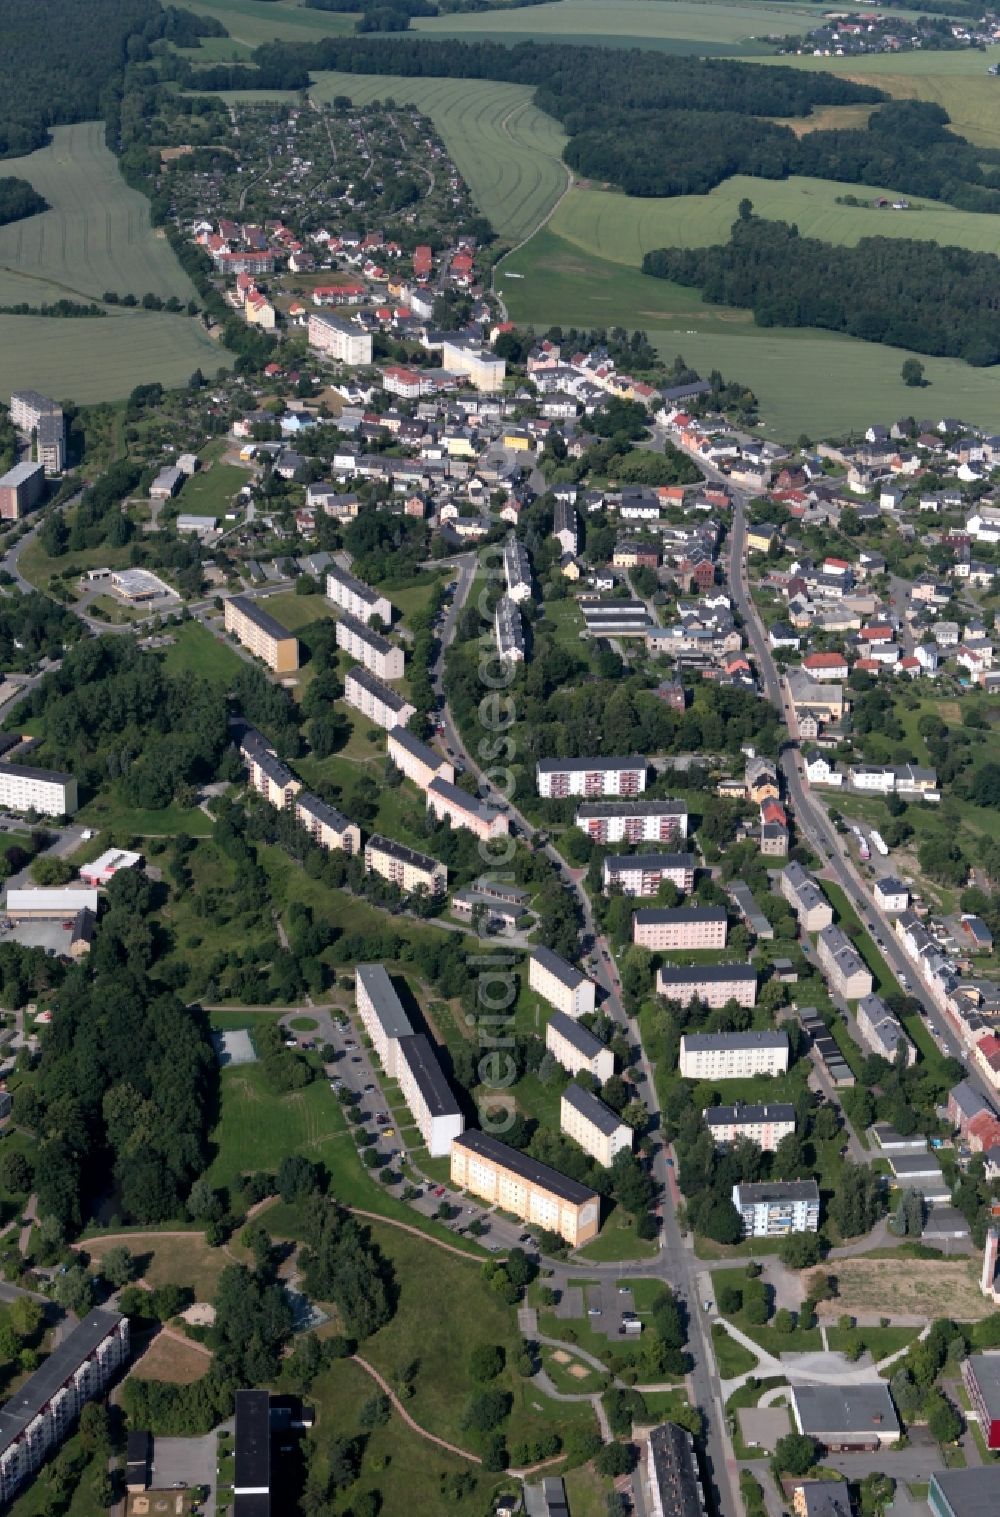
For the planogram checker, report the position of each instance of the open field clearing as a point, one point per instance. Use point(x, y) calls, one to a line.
point(168, 1258)
point(808, 381)
point(173, 1360)
point(920, 1288)
point(508, 152)
point(94, 360)
point(252, 22)
point(622, 228)
point(627, 22)
point(96, 236)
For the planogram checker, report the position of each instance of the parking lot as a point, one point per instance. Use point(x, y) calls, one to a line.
point(184, 1463)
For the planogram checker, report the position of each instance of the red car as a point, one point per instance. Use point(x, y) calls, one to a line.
point(439, 1191)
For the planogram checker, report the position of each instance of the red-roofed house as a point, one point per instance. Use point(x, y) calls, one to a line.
point(988, 1057)
point(823, 666)
point(773, 811)
point(867, 665)
point(423, 261)
point(911, 666)
point(835, 565)
point(877, 634)
point(402, 382)
point(983, 1131)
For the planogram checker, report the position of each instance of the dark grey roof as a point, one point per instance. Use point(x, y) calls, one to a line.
point(422, 752)
point(557, 766)
point(852, 1409)
point(262, 619)
point(967, 1493)
point(705, 974)
point(663, 916)
point(422, 1063)
point(777, 1190)
point(328, 815)
point(253, 1439)
point(575, 1034)
point(674, 1466)
point(609, 809)
point(381, 691)
point(64, 1360)
point(356, 586)
point(491, 1149)
point(54, 776)
point(648, 863)
point(593, 1109)
point(824, 1498)
point(986, 1368)
point(359, 629)
point(387, 1005)
point(566, 973)
point(722, 1116)
point(462, 799)
point(400, 851)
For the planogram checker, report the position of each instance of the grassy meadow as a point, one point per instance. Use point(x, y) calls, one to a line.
point(635, 23)
point(252, 22)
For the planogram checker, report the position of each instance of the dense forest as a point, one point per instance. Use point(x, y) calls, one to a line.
point(18, 198)
point(67, 68)
point(938, 300)
point(675, 126)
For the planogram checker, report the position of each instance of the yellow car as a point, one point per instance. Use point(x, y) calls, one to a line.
point(388, 1132)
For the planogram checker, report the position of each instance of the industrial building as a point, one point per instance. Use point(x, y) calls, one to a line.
point(846, 1418)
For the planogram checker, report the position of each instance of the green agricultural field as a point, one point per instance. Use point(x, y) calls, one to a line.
point(634, 23)
point(256, 1128)
point(96, 236)
point(508, 152)
point(90, 360)
point(621, 228)
point(196, 652)
point(252, 22)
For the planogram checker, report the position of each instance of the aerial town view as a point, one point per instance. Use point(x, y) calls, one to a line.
point(499, 758)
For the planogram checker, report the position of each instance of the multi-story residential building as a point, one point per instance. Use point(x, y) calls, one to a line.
point(355, 597)
point(427, 1094)
point(539, 1195)
point(633, 821)
point(416, 760)
point(262, 634)
point(761, 777)
point(764, 1125)
point(891, 894)
point(642, 874)
point(843, 966)
point(404, 866)
point(680, 927)
point(484, 370)
point(565, 527)
point(382, 1015)
point(509, 631)
point(268, 775)
point(563, 985)
point(339, 339)
point(461, 809)
point(591, 776)
point(44, 1410)
point(805, 897)
point(732, 1055)
point(326, 825)
point(715, 984)
point(34, 413)
point(981, 1375)
point(21, 488)
point(376, 653)
point(671, 1478)
point(881, 1030)
point(517, 569)
point(777, 1207)
point(47, 791)
point(599, 1131)
point(379, 702)
point(575, 1048)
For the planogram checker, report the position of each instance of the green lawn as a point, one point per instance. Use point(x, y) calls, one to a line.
point(617, 1240)
point(799, 1340)
point(257, 1129)
point(195, 651)
point(212, 490)
point(633, 23)
point(879, 1341)
point(109, 812)
point(731, 1357)
point(252, 22)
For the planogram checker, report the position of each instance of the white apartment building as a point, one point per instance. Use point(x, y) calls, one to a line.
point(44, 1411)
point(416, 760)
point(560, 983)
point(484, 370)
point(533, 1191)
point(882, 1032)
point(891, 894)
point(428, 1095)
point(382, 1014)
point(339, 339)
point(557, 778)
point(565, 527)
point(680, 927)
point(642, 874)
point(461, 809)
point(376, 653)
point(575, 1048)
point(509, 631)
point(355, 597)
point(732, 1055)
point(764, 1125)
point(778, 1207)
point(599, 1131)
point(805, 897)
point(262, 634)
point(268, 775)
point(715, 984)
point(404, 867)
point(843, 966)
point(376, 700)
point(517, 569)
point(326, 825)
point(46, 791)
point(633, 821)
